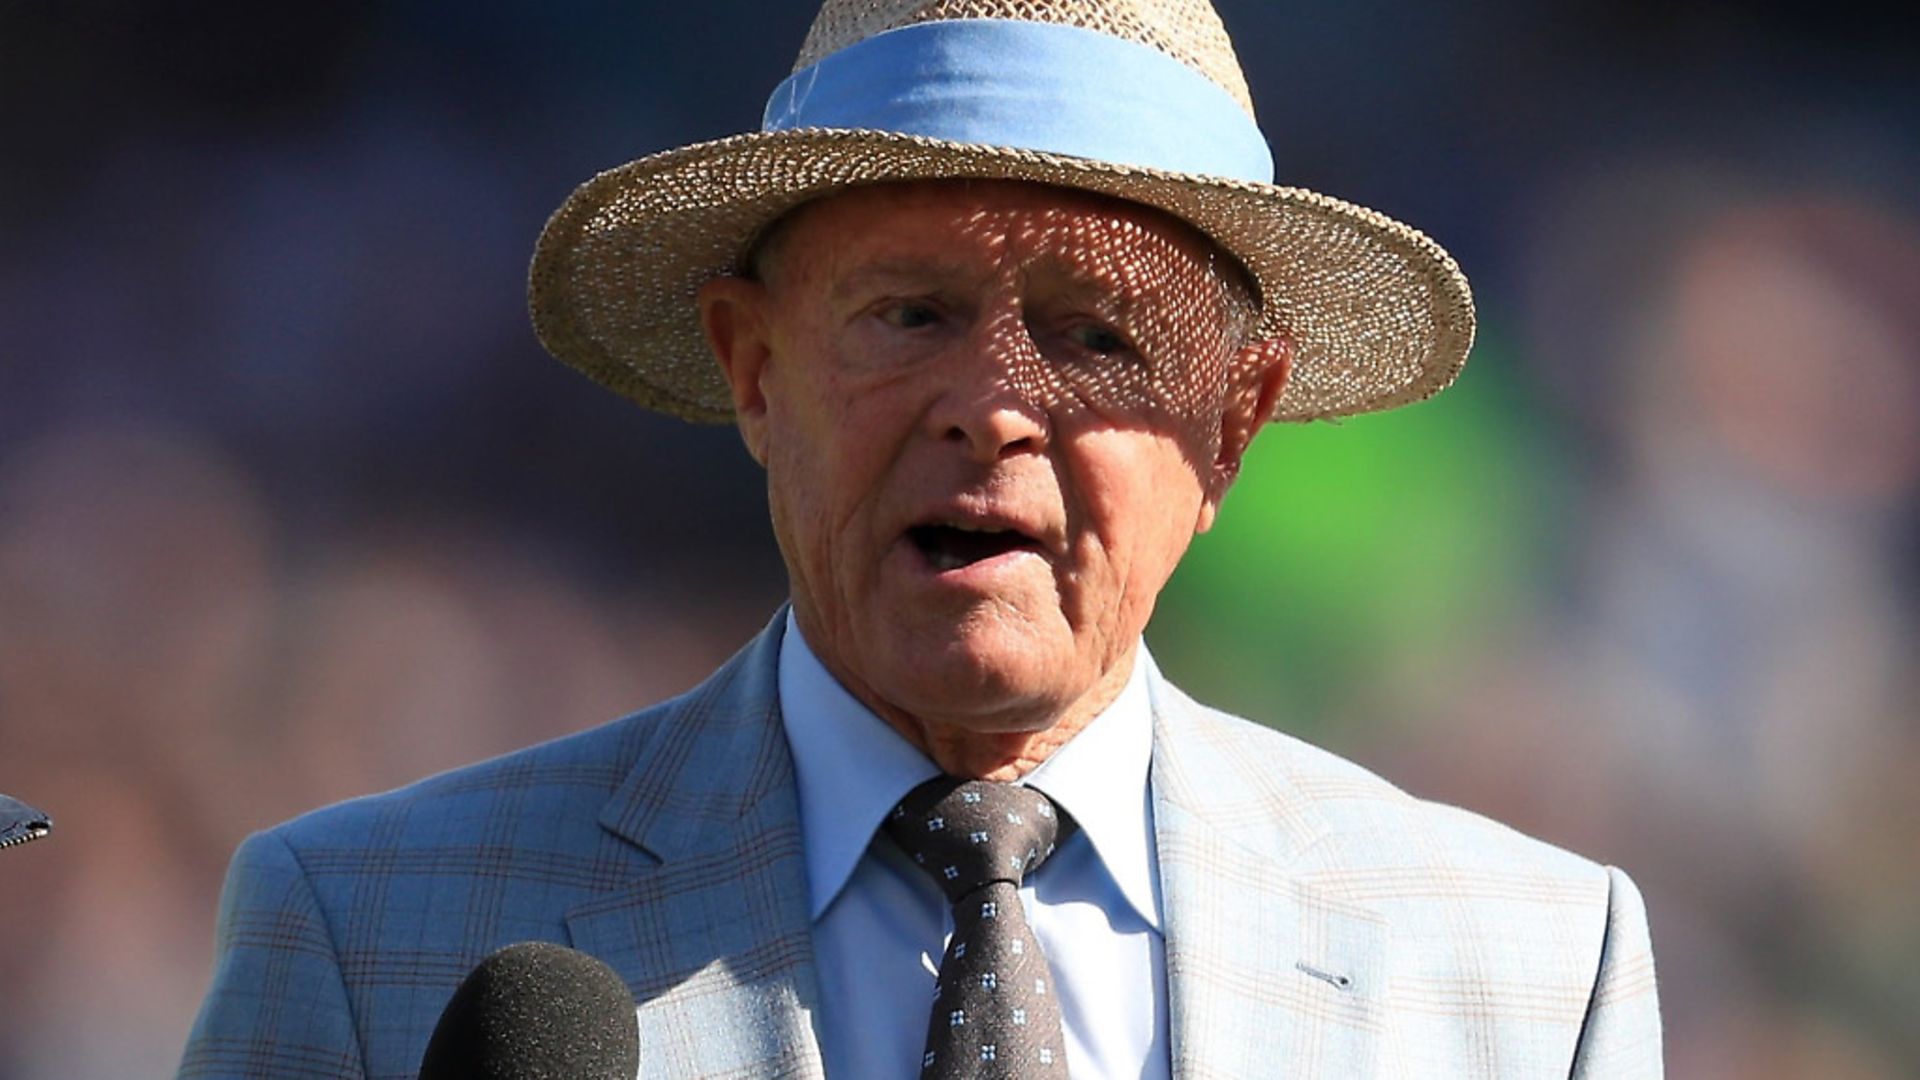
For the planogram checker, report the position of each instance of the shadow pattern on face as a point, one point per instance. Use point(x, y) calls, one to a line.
point(1076, 310)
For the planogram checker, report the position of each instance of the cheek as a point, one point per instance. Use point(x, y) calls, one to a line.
point(827, 466)
point(1168, 498)
point(800, 479)
point(1140, 501)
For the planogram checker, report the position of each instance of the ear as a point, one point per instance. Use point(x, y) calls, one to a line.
point(733, 313)
point(1255, 377)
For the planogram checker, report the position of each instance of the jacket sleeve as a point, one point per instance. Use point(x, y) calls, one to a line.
point(278, 1006)
point(1620, 1039)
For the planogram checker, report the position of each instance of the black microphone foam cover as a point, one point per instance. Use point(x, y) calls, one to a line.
point(536, 1011)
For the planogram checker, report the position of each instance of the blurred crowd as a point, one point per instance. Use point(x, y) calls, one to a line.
point(292, 507)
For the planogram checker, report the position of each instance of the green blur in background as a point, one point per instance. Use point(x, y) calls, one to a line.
point(1343, 544)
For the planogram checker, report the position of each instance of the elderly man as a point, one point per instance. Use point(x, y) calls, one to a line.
point(998, 299)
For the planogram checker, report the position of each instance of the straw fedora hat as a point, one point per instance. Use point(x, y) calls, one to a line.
point(1139, 99)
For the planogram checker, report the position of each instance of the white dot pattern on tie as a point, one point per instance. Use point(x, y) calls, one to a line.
point(993, 1016)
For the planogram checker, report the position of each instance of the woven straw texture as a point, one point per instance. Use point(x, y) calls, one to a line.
point(1379, 314)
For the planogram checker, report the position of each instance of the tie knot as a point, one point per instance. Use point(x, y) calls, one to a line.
point(968, 833)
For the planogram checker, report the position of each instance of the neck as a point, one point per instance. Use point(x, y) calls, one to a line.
point(973, 733)
point(996, 756)
point(1000, 745)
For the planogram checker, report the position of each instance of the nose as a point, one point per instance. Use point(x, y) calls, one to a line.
point(991, 398)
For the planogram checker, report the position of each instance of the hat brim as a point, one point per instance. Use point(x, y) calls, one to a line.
point(1379, 315)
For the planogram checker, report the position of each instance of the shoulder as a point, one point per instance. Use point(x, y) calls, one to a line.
point(1470, 899)
point(1331, 815)
point(564, 779)
point(558, 818)
point(462, 861)
point(1546, 952)
point(343, 931)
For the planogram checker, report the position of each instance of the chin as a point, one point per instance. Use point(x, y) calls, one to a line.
point(983, 678)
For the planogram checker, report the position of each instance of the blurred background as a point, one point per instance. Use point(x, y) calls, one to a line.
point(293, 507)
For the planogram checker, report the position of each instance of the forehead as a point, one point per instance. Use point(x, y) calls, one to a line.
point(1007, 219)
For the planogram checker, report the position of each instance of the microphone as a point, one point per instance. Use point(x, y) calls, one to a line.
point(20, 823)
point(536, 1011)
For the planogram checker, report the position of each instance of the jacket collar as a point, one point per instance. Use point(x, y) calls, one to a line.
point(1268, 974)
point(712, 936)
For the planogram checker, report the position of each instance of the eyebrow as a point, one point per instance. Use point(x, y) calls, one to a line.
point(1089, 290)
point(917, 271)
point(1104, 290)
point(1107, 290)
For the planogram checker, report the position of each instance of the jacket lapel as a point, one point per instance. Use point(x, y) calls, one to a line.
point(714, 937)
point(1268, 975)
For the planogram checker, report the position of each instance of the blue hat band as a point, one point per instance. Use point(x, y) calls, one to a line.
point(1030, 85)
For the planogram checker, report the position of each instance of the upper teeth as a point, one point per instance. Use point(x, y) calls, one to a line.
point(964, 527)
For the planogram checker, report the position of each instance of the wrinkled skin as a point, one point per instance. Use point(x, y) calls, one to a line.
point(993, 415)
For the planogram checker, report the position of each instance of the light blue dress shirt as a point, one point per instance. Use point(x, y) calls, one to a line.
point(880, 925)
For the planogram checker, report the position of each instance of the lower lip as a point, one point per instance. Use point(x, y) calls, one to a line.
point(980, 572)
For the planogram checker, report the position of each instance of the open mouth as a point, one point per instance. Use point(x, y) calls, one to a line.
point(950, 547)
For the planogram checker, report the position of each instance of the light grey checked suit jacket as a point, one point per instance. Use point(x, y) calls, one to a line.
point(1319, 922)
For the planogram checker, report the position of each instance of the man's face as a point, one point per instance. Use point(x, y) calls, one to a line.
point(993, 415)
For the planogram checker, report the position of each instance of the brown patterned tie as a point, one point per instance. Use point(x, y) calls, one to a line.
point(995, 1014)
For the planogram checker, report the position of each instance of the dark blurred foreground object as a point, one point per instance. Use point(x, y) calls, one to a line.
point(20, 823)
point(536, 1011)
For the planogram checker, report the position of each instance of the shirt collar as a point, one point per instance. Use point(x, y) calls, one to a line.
point(852, 768)
point(1100, 777)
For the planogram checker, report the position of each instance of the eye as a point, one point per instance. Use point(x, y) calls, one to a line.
point(1099, 339)
point(909, 315)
